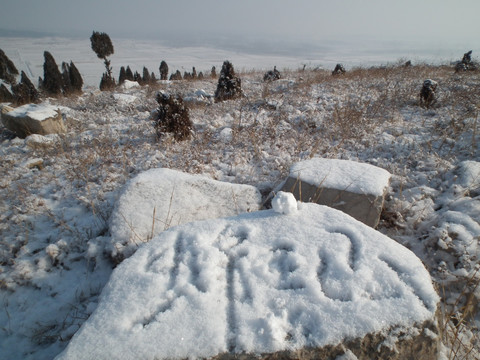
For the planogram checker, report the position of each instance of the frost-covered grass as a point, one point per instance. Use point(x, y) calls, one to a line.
point(54, 222)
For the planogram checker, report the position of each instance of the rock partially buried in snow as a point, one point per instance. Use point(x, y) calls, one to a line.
point(36, 141)
point(128, 84)
point(160, 198)
point(357, 189)
point(34, 119)
point(260, 283)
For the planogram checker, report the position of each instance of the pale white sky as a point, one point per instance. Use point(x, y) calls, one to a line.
point(441, 21)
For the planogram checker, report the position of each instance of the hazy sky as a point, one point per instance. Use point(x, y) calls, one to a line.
point(423, 20)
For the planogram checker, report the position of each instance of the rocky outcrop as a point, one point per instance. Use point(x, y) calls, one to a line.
point(357, 189)
point(34, 119)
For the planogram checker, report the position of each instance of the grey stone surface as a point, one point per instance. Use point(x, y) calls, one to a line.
point(340, 184)
point(34, 119)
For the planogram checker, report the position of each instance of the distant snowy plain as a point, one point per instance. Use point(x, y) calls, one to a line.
point(27, 54)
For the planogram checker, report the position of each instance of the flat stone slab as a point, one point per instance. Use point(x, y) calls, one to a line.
point(34, 119)
point(358, 189)
point(261, 282)
point(161, 198)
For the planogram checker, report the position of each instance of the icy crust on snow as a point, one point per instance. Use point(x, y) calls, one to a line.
point(160, 198)
point(258, 283)
point(38, 112)
point(359, 178)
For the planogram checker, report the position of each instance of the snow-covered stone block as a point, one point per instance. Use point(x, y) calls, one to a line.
point(260, 283)
point(34, 119)
point(160, 198)
point(357, 189)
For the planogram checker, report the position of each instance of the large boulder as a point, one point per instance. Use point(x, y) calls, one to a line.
point(304, 282)
point(161, 198)
point(34, 119)
point(357, 189)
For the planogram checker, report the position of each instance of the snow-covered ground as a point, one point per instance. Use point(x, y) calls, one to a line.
point(54, 218)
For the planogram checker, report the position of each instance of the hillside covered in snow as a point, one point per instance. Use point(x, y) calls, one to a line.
point(57, 193)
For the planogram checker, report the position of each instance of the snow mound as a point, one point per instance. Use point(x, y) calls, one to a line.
point(256, 283)
point(284, 203)
point(469, 175)
point(160, 198)
point(359, 178)
point(128, 84)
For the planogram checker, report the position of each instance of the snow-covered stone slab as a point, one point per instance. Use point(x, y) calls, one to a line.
point(160, 198)
point(357, 189)
point(259, 283)
point(34, 119)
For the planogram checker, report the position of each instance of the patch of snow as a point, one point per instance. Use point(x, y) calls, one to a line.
point(469, 174)
point(258, 282)
point(226, 135)
point(128, 84)
point(124, 98)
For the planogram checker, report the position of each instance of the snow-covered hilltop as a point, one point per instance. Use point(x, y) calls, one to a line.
point(55, 247)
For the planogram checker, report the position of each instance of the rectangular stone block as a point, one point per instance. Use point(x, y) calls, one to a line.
point(358, 189)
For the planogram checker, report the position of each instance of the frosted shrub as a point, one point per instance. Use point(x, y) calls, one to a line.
point(172, 117)
point(229, 85)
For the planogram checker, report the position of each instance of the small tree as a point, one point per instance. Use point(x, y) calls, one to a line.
point(229, 85)
point(76, 80)
point(137, 77)
point(72, 80)
point(122, 76)
point(5, 94)
point(53, 81)
point(129, 74)
point(163, 70)
point(67, 86)
point(107, 82)
point(8, 71)
point(146, 76)
point(25, 92)
point(172, 117)
point(103, 47)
